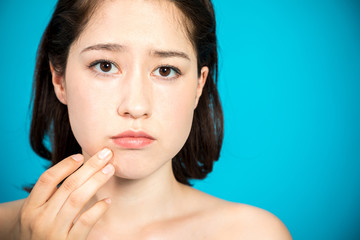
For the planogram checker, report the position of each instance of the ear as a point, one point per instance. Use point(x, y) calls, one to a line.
point(201, 83)
point(59, 85)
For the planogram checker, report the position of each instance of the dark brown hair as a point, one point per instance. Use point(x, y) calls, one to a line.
point(50, 120)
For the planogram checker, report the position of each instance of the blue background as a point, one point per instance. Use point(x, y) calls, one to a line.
point(289, 82)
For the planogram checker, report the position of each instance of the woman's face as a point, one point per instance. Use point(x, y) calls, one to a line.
point(133, 69)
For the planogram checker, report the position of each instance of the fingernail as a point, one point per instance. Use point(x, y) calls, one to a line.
point(104, 153)
point(108, 169)
point(78, 157)
point(108, 200)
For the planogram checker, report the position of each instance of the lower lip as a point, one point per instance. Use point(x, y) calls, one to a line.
point(133, 142)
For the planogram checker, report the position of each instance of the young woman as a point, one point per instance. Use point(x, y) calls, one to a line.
point(126, 92)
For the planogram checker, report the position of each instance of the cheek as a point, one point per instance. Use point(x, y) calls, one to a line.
point(177, 110)
point(181, 114)
point(86, 114)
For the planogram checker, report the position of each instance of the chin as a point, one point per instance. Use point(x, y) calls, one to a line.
point(135, 166)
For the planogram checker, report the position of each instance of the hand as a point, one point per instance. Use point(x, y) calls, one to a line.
point(52, 213)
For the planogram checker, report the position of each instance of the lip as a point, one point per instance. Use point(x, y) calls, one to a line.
point(133, 140)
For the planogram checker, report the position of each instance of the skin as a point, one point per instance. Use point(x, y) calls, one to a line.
point(146, 200)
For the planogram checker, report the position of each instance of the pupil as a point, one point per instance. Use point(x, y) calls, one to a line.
point(105, 66)
point(164, 71)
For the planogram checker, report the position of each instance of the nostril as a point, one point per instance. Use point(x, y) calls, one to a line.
point(134, 113)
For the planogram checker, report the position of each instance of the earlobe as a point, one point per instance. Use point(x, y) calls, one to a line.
point(201, 83)
point(59, 85)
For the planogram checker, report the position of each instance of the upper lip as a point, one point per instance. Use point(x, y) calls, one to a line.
point(133, 134)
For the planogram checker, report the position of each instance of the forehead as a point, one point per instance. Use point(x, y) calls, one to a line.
point(138, 24)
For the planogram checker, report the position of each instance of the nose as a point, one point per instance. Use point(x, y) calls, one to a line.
point(136, 96)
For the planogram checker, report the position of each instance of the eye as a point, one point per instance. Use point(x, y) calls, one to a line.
point(103, 66)
point(167, 72)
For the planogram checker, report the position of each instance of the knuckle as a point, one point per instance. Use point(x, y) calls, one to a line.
point(76, 200)
point(47, 177)
point(100, 178)
point(69, 185)
point(94, 164)
point(91, 216)
point(87, 220)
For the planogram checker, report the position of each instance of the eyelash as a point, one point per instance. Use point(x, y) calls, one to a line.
point(175, 69)
point(94, 63)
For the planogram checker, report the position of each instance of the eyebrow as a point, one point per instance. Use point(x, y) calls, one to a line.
point(169, 54)
point(113, 47)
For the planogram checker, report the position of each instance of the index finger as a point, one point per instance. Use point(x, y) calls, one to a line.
point(50, 179)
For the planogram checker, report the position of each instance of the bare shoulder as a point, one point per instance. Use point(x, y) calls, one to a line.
point(9, 213)
point(249, 222)
point(242, 221)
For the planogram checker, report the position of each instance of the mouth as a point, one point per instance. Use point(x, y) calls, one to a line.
point(133, 140)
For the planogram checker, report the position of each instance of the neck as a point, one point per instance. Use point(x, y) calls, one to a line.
point(140, 202)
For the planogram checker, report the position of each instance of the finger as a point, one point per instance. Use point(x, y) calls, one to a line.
point(88, 219)
point(50, 179)
point(93, 165)
point(78, 199)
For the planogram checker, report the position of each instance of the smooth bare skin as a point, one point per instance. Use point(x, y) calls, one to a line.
point(147, 202)
point(53, 213)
